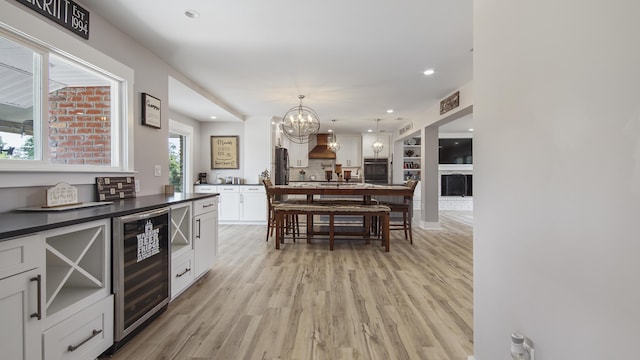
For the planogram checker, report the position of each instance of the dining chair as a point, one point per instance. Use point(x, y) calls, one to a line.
point(291, 222)
point(405, 208)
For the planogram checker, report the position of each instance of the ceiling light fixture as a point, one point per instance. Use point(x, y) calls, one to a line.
point(192, 14)
point(390, 111)
point(213, 117)
point(429, 72)
point(333, 141)
point(300, 122)
point(377, 146)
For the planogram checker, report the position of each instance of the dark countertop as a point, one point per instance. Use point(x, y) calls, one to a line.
point(208, 184)
point(19, 223)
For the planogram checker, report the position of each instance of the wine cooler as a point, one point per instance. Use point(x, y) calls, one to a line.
point(141, 265)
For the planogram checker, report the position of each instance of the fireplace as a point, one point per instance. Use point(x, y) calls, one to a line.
point(456, 185)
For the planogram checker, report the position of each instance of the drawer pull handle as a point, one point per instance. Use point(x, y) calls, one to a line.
point(94, 333)
point(38, 314)
point(183, 273)
point(207, 205)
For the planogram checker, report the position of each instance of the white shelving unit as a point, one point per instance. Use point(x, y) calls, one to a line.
point(181, 228)
point(411, 159)
point(77, 263)
point(182, 254)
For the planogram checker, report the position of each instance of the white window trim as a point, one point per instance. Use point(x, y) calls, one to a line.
point(54, 39)
point(187, 131)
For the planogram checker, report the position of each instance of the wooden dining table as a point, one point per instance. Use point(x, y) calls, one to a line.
point(342, 189)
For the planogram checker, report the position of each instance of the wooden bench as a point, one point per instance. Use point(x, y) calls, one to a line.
point(332, 210)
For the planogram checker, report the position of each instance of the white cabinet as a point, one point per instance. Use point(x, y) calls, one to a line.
point(254, 204)
point(298, 154)
point(85, 335)
point(350, 152)
point(239, 204)
point(207, 189)
point(181, 248)
point(367, 145)
point(205, 234)
point(229, 203)
point(78, 301)
point(182, 273)
point(20, 308)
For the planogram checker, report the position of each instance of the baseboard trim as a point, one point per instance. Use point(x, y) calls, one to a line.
point(430, 225)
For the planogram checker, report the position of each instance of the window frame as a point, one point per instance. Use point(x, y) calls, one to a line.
point(45, 40)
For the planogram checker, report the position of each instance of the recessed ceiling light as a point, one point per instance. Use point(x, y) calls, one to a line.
point(273, 123)
point(369, 130)
point(429, 72)
point(192, 14)
point(213, 117)
point(330, 130)
point(471, 129)
point(390, 111)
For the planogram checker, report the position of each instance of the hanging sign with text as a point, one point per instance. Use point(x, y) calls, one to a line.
point(64, 12)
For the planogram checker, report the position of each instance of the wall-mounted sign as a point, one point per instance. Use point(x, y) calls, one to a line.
point(451, 102)
point(224, 152)
point(405, 128)
point(150, 111)
point(67, 13)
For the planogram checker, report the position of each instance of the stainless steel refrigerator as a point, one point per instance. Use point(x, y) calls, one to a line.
point(281, 173)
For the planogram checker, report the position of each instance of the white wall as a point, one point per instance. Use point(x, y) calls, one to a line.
point(207, 129)
point(557, 177)
point(151, 76)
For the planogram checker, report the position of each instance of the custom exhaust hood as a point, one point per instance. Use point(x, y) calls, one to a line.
point(321, 150)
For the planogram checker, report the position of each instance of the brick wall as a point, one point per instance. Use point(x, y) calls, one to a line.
point(80, 126)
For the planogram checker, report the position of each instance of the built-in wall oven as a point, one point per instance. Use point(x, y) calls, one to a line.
point(141, 263)
point(376, 171)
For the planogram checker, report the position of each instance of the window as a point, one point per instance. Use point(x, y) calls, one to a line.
point(180, 152)
point(19, 71)
point(78, 124)
point(176, 161)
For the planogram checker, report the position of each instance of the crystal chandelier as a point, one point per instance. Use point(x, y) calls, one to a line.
point(333, 141)
point(300, 123)
point(377, 146)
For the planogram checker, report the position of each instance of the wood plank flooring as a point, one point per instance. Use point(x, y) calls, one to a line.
point(305, 302)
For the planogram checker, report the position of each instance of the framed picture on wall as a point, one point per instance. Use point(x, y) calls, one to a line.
point(224, 152)
point(150, 111)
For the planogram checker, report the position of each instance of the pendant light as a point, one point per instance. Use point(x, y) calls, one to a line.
point(377, 146)
point(300, 123)
point(333, 141)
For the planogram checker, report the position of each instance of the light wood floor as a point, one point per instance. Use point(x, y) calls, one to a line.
point(305, 302)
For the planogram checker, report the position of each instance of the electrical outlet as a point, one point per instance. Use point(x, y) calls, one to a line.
point(157, 171)
point(137, 183)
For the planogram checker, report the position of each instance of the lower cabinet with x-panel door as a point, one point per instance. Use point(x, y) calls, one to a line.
point(181, 236)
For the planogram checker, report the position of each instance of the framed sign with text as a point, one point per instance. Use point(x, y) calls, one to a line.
point(150, 111)
point(224, 152)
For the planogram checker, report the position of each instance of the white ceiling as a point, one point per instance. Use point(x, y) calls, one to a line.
point(352, 59)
